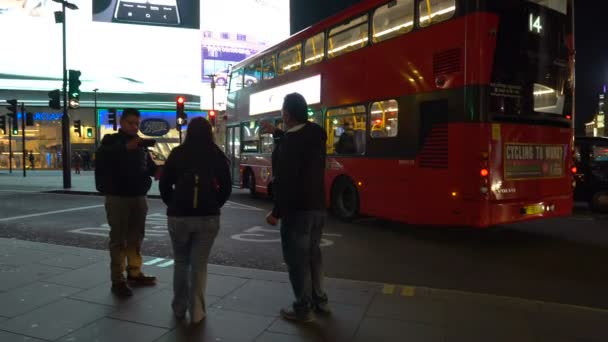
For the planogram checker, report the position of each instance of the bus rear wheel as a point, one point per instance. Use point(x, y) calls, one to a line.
point(251, 184)
point(345, 200)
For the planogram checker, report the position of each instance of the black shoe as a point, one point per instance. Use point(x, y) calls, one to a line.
point(142, 280)
point(122, 289)
point(292, 315)
point(322, 308)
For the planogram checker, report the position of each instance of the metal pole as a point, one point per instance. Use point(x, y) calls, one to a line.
point(65, 120)
point(10, 144)
point(23, 134)
point(96, 120)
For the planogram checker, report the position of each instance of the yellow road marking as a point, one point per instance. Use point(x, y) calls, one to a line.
point(388, 289)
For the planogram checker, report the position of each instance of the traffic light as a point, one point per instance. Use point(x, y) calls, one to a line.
point(180, 115)
point(89, 132)
point(74, 88)
point(15, 126)
point(212, 116)
point(77, 128)
point(54, 101)
point(112, 117)
point(29, 119)
point(12, 108)
point(3, 124)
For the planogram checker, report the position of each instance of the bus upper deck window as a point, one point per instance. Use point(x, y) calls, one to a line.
point(435, 11)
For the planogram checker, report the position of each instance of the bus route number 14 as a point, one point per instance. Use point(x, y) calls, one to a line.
point(535, 23)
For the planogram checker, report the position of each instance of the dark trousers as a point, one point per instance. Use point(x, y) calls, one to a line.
point(300, 238)
point(127, 220)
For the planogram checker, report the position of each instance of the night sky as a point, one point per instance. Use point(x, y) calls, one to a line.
point(591, 28)
point(591, 25)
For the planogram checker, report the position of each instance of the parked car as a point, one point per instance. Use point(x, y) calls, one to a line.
point(591, 160)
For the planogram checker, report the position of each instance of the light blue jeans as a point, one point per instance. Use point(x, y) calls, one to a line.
point(192, 238)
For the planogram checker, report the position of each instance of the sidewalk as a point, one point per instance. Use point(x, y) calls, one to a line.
point(59, 293)
point(52, 180)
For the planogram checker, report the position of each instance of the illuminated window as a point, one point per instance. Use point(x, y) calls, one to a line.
point(348, 37)
point(314, 49)
point(225, 35)
point(393, 19)
point(548, 100)
point(250, 137)
point(346, 128)
point(315, 116)
point(436, 11)
point(241, 37)
point(268, 67)
point(384, 119)
point(236, 80)
point(253, 73)
point(290, 59)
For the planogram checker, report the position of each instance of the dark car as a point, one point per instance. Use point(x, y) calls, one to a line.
point(591, 160)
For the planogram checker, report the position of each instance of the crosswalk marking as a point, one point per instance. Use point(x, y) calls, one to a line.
point(153, 261)
point(166, 264)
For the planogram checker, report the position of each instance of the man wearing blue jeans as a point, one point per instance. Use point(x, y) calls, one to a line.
point(298, 166)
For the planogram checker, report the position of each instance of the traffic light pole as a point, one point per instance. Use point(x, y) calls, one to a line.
point(96, 120)
point(23, 135)
point(10, 145)
point(65, 120)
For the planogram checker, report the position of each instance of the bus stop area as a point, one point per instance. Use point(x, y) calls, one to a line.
point(59, 293)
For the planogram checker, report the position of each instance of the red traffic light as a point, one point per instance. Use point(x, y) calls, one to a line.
point(180, 99)
point(211, 113)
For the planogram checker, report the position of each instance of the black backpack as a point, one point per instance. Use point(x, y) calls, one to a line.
point(196, 187)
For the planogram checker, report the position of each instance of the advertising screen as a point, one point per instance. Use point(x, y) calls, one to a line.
point(138, 47)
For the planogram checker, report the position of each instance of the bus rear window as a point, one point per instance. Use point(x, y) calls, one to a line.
point(556, 5)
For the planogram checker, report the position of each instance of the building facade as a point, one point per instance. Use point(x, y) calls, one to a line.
point(597, 126)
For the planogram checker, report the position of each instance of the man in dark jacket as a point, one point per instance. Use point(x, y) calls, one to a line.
point(122, 174)
point(299, 191)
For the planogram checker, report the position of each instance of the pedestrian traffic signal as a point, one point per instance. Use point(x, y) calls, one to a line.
point(29, 119)
point(89, 132)
point(54, 101)
point(12, 108)
point(77, 128)
point(3, 124)
point(212, 116)
point(112, 117)
point(180, 115)
point(74, 88)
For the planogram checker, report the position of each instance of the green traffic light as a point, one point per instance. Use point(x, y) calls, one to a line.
point(89, 132)
point(15, 131)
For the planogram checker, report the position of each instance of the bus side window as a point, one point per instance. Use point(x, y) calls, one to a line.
point(435, 11)
point(253, 73)
point(314, 49)
point(384, 119)
point(250, 138)
point(268, 67)
point(393, 19)
point(290, 59)
point(346, 130)
point(236, 80)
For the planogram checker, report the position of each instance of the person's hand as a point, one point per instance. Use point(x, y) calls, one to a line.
point(266, 127)
point(271, 219)
point(133, 144)
point(159, 171)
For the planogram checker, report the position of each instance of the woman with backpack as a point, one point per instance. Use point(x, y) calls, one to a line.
point(195, 184)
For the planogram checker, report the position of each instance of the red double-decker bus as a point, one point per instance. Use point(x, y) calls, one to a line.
point(438, 112)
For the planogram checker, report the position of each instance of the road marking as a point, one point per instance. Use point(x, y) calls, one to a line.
point(257, 234)
point(49, 213)
point(408, 291)
point(153, 261)
point(236, 205)
point(165, 264)
point(21, 191)
point(388, 289)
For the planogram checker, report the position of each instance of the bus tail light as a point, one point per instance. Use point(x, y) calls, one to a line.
point(484, 172)
point(573, 169)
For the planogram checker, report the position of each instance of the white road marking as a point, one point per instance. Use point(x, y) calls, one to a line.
point(153, 261)
point(49, 213)
point(165, 264)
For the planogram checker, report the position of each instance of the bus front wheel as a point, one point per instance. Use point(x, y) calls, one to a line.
point(345, 200)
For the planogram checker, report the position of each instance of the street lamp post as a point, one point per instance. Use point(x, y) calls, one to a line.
point(65, 120)
point(96, 120)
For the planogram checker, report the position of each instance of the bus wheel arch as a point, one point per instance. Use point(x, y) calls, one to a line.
point(344, 198)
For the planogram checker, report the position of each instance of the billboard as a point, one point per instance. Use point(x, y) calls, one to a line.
point(139, 47)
